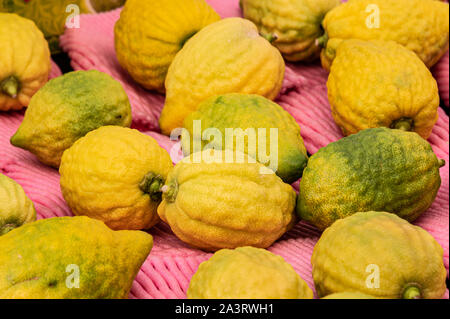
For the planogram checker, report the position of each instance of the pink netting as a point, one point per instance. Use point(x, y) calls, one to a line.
point(169, 267)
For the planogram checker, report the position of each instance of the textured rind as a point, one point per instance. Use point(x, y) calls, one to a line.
point(254, 112)
point(227, 204)
point(421, 26)
point(376, 83)
point(247, 273)
point(404, 254)
point(348, 295)
point(377, 169)
point(38, 259)
point(16, 208)
point(67, 108)
point(149, 34)
point(101, 172)
point(296, 24)
point(227, 56)
point(25, 55)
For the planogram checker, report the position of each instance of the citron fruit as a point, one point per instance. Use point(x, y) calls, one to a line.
point(247, 273)
point(348, 295)
point(70, 257)
point(381, 255)
point(67, 108)
point(376, 169)
point(51, 16)
point(16, 208)
point(24, 61)
point(225, 199)
point(149, 34)
point(421, 26)
point(377, 83)
point(114, 174)
point(247, 123)
point(228, 56)
point(296, 24)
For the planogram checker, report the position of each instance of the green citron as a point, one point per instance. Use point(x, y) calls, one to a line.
point(66, 109)
point(348, 295)
point(376, 169)
point(70, 257)
point(244, 122)
point(51, 16)
point(381, 255)
point(16, 208)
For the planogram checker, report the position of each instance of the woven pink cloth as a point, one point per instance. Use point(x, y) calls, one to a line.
point(167, 271)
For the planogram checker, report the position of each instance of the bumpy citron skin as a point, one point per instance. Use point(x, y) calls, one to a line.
point(67, 108)
point(407, 259)
point(295, 23)
point(253, 112)
point(348, 295)
point(149, 34)
point(247, 273)
point(212, 201)
point(16, 208)
point(114, 174)
point(24, 61)
point(378, 83)
point(41, 260)
point(376, 169)
point(228, 56)
point(421, 26)
point(51, 15)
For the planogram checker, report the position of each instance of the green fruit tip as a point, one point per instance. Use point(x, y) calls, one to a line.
point(16, 140)
point(170, 191)
point(322, 41)
point(6, 228)
point(10, 86)
point(404, 124)
point(412, 292)
point(441, 162)
point(151, 184)
point(272, 37)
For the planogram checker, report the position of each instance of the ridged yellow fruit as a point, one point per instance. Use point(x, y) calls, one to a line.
point(295, 24)
point(225, 199)
point(377, 83)
point(114, 174)
point(16, 208)
point(68, 107)
point(381, 255)
point(228, 56)
point(149, 34)
point(247, 273)
point(24, 61)
point(348, 295)
point(70, 258)
point(421, 26)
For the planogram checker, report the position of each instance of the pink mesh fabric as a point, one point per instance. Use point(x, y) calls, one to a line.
point(167, 271)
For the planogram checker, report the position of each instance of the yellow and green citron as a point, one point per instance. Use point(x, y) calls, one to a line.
point(24, 61)
point(149, 34)
point(296, 25)
point(115, 174)
point(252, 124)
point(421, 26)
point(381, 84)
point(16, 208)
point(70, 258)
point(381, 255)
point(225, 199)
point(228, 56)
point(51, 16)
point(247, 273)
point(377, 169)
point(67, 108)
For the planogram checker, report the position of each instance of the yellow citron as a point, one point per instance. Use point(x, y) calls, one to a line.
point(16, 208)
point(228, 56)
point(247, 273)
point(149, 34)
point(225, 199)
point(114, 174)
point(24, 61)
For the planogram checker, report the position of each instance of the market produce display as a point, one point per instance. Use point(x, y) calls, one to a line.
point(325, 176)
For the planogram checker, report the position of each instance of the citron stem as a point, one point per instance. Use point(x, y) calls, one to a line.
point(412, 293)
point(151, 184)
point(270, 37)
point(441, 162)
point(404, 124)
point(323, 40)
point(10, 86)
